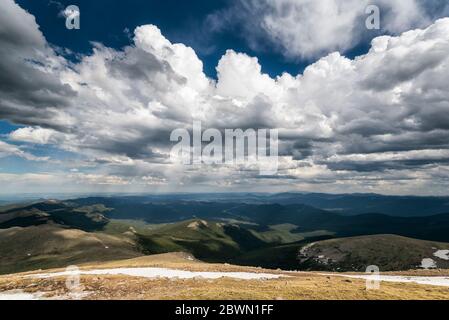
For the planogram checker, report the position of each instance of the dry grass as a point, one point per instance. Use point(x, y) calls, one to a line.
point(299, 286)
point(420, 273)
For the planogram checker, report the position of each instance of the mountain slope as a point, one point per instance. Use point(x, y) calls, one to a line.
point(388, 252)
point(207, 240)
point(347, 204)
point(50, 246)
point(87, 218)
point(121, 285)
point(307, 219)
point(269, 235)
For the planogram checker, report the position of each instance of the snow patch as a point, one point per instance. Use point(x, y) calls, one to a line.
point(20, 295)
point(195, 225)
point(162, 273)
point(442, 254)
point(428, 263)
point(432, 281)
point(304, 249)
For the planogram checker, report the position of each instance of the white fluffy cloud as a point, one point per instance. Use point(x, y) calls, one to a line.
point(377, 122)
point(7, 149)
point(310, 28)
point(34, 135)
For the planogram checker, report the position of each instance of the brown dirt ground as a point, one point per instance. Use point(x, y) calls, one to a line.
point(299, 286)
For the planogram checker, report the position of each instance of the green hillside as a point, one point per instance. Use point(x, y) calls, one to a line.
point(51, 246)
point(389, 252)
point(206, 240)
point(58, 233)
point(87, 218)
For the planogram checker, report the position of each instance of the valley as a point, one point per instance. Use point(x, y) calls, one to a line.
point(218, 234)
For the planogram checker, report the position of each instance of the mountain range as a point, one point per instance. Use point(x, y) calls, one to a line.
point(248, 229)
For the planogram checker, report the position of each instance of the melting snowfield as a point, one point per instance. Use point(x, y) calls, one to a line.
point(182, 274)
point(22, 295)
point(442, 254)
point(162, 273)
point(135, 272)
point(433, 281)
point(19, 295)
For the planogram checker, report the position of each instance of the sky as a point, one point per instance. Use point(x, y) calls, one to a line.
point(356, 109)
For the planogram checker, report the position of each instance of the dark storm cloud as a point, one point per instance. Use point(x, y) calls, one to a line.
point(371, 119)
point(376, 166)
point(135, 63)
point(368, 127)
point(30, 86)
point(139, 146)
point(299, 149)
point(406, 141)
point(395, 69)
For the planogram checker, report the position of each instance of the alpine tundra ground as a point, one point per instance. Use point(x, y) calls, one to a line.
point(48, 284)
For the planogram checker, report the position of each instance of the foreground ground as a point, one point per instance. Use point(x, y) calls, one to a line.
point(291, 285)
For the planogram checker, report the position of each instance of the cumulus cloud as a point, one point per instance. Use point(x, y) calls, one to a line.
point(34, 135)
point(30, 88)
point(7, 149)
point(310, 28)
point(376, 122)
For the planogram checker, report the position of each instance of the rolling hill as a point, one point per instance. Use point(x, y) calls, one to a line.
point(87, 218)
point(55, 233)
point(389, 252)
point(206, 240)
point(362, 203)
point(51, 246)
point(306, 218)
point(346, 204)
point(164, 277)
